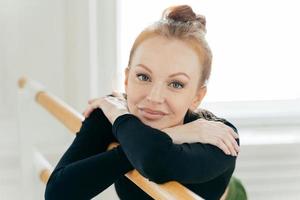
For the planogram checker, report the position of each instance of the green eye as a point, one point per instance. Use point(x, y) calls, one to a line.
point(177, 85)
point(143, 76)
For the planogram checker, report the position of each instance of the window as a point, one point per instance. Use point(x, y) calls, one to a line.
point(255, 45)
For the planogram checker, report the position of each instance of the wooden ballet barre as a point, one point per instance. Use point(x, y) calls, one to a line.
point(73, 120)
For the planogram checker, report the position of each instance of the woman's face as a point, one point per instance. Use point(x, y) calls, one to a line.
point(161, 83)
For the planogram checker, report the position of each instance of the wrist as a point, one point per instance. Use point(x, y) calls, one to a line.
point(174, 134)
point(118, 115)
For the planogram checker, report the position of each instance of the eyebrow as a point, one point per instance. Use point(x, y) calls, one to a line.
point(178, 73)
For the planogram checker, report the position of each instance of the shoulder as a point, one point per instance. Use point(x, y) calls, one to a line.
point(201, 113)
point(205, 114)
point(95, 114)
point(97, 118)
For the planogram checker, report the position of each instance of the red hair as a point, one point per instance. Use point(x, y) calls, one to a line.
point(180, 22)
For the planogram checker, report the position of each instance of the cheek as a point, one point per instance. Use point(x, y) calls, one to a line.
point(178, 110)
point(179, 106)
point(136, 90)
point(133, 87)
point(134, 96)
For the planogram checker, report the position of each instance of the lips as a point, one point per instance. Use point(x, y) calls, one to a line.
point(154, 112)
point(151, 114)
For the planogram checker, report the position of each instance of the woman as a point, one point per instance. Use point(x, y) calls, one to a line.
point(161, 134)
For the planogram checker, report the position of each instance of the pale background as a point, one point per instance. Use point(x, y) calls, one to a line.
point(78, 50)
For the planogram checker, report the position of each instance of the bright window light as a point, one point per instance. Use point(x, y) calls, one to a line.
point(255, 45)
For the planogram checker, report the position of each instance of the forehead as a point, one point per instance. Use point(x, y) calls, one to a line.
point(167, 55)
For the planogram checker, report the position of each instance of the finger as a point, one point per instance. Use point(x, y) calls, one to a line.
point(91, 101)
point(116, 93)
point(234, 134)
point(228, 139)
point(223, 147)
point(95, 104)
point(119, 97)
point(87, 112)
point(230, 146)
point(231, 134)
point(236, 146)
point(115, 100)
point(110, 99)
point(233, 140)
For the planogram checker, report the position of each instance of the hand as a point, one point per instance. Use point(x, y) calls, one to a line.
point(112, 106)
point(207, 132)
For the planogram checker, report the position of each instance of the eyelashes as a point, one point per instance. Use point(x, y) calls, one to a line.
point(144, 77)
point(178, 83)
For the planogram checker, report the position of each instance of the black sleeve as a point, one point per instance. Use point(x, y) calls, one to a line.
point(153, 153)
point(86, 168)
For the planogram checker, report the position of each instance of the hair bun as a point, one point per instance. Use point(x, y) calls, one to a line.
point(184, 13)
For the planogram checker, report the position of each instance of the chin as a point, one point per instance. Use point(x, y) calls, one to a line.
point(154, 125)
point(157, 124)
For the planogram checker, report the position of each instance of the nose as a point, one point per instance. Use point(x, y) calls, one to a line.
point(156, 94)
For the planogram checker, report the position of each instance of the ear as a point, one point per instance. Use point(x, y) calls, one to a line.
point(198, 98)
point(126, 78)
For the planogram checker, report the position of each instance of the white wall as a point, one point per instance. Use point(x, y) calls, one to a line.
point(90, 57)
point(32, 43)
point(76, 70)
point(50, 41)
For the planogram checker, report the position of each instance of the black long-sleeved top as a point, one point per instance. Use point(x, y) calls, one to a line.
point(86, 168)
